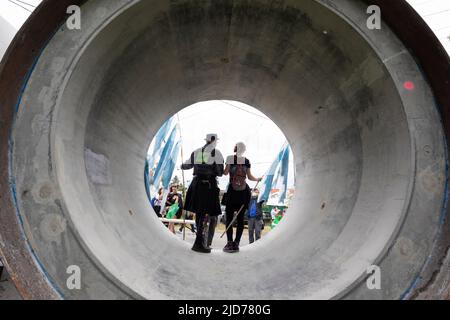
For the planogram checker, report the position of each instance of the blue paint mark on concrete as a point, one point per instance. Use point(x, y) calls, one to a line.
point(12, 183)
point(442, 219)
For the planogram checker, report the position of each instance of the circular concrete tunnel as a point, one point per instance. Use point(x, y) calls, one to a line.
point(361, 111)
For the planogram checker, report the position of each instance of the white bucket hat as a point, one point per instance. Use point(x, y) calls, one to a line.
point(211, 137)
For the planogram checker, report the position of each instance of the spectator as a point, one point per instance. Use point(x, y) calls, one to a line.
point(174, 194)
point(278, 217)
point(255, 217)
point(274, 212)
point(171, 213)
point(157, 201)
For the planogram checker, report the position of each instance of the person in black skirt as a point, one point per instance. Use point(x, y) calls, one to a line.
point(202, 197)
point(238, 194)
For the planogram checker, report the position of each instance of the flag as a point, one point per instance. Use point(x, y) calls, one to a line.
point(147, 180)
point(156, 151)
point(159, 143)
point(271, 174)
point(283, 174)
point(165, 158)
point(170, 166)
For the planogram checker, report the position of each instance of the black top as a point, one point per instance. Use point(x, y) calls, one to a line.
point(206, 163)
point(233, 161)
point(170, 199)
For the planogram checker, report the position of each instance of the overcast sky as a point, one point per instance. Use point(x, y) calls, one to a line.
point(16, 14)
point(233, 122)
point(437, 14)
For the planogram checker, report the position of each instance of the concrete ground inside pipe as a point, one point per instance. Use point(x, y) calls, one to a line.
point(369, 154)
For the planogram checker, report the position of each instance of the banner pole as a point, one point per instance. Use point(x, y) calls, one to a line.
point(182, 177)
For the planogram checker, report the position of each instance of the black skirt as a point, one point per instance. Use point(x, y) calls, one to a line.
point(235, 199)
point(203, 197)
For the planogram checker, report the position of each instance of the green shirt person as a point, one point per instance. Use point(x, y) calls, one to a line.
point(172, 211)
point(277, 219)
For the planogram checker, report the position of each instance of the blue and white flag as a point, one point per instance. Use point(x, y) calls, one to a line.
point(283, 175)
point(165, 158)
point(272, 173)
point(159, 143)
point(170, 166)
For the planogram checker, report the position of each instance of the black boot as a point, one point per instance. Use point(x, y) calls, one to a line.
point(229, 248)
point(200, 248)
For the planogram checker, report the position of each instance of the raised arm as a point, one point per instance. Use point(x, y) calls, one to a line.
point(189, 164)
point(251, 177)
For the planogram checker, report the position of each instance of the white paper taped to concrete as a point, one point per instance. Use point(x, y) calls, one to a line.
point(97, 167)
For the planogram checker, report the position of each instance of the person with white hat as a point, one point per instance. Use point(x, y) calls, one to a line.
point(202, 197)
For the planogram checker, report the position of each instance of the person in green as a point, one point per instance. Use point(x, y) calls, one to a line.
point(171, 213)
point(277, 219)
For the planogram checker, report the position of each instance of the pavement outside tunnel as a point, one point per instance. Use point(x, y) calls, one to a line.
point(218, 242)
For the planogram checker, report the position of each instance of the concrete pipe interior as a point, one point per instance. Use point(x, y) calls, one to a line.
point(369, 151)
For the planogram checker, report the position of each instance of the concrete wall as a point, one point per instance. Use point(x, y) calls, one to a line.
point(7, 288)
point(370, 154)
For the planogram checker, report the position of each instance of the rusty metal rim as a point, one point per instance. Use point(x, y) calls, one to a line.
point(435, 65)
point(15, 68)
point(24, 52)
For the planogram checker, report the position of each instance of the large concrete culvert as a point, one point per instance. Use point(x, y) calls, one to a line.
point(361, 108)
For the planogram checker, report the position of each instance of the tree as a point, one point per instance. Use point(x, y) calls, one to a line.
point(176, 181)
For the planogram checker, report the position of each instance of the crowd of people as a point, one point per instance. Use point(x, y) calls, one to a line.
point(173, 208)
point(203, 202)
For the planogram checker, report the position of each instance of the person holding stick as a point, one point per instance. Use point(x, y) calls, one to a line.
point(237, 197)
point(203, 194)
